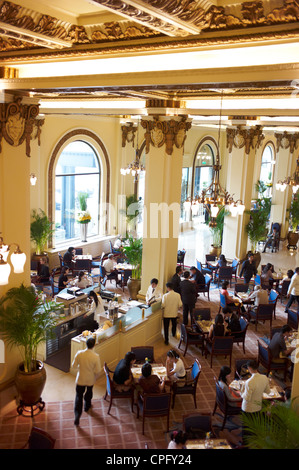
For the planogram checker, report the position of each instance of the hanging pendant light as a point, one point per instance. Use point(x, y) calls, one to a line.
point(291, 181)
point(136, 166)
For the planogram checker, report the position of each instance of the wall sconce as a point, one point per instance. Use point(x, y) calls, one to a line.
point(33, 179)
point(17, 259)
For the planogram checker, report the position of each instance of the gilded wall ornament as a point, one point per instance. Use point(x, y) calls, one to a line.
point(287, 140)
point(128, 134)
point(18, 122)
point(171, 133)
point(240, 137)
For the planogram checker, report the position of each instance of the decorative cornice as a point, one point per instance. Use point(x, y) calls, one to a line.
point(169, 132)
point(17, 123)
point(287, 140)
point(128, 134)
point(240, 137)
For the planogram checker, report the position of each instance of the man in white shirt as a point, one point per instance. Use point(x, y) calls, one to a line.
point(154, 293)
point(89, 367)
point(109, 266)
point(171, 302)
point(260, 296)
point(254, 388)
point(293, 290)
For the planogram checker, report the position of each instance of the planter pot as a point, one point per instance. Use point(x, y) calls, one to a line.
point(134, 286)
point(293, 238)
point(83, 232)
point(30, 384)
point(215, 250)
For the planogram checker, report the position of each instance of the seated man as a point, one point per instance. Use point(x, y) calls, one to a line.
point(43, 272)
point(197, 277)
point(154, 293)
point(109, 265)
point(272, 240)
point(69, 257)
point(260, 296)
point(278, 346)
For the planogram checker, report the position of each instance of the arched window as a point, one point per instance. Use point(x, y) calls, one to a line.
point(267, 168)
point(77, 171)
point(203, 168)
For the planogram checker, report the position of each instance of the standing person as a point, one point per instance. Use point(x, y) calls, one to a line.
point(69, 257)
point(154, 293)
point(197, 277)
point(293, 290)
point(88, 363)
point(171, 302)
point(254, 388)
point(248, 268)
point(189, 295)
point(176, 279)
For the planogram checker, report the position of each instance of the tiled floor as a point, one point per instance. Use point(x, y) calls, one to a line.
point(121, 430)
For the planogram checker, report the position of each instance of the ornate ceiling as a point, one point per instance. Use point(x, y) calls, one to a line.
point(40, 33)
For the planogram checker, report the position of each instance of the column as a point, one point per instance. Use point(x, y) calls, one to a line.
point(286, 144)
point(164, 137)
point(241, 144)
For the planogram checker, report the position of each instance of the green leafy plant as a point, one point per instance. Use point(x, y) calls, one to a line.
point(132, 211)
point(217, 229)
point(83, 216)
point(275, 427)
point(133, 252)
point(294, 213)
point(25, 321)
point(259, 216)
point(41, 230)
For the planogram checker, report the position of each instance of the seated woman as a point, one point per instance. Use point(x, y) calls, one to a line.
point(150, 383)
point(63, 278)
point(43, 272)
point(233, 323)
point(174, 366)
point(218, 328)
point(122, 377)
point(225, 371)
point(83, 280)
point(178, 440)
point(267, 275)
point(272, 240)
point(222, 261)
point(230, 301)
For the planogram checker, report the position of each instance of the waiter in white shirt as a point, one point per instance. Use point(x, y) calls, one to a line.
point(110, 267)
point(171, 302)
point(254, 388)
point(154, 293)
point(89, 367)
point(293, 290)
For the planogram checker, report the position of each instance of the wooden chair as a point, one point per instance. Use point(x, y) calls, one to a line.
point(113, 393)
point(283, 289)
point(189, 337)
point(264, 312)
point(223, 305)
point(153, 406)
point(239, 336)
point(190, 385)
point(206, 288)
point(241, 288)
point(204, 270)
point(266, 360)
point(222, 403)
point(220, 346)
point(225, 273)
point(202, 313)
point(39, 439)
point(53, 283)
point(273, 297)
point(240, 365)
point(142, 352)
point(196, 425)
point(235, 265)
point(293, 319)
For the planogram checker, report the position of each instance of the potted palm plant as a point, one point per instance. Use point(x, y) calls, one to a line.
point(293, 234)
point(216, 228)
point(41, 230)
point(25, 322)
point(133, 253)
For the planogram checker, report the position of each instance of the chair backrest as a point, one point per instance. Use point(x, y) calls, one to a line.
point(222, 343)
point(241, 367)
point(208, 280)
point(109, 383)
point(284, 286)
point(142, 352)
point(79, 251)
point(265, 311)
point(257, 280)
point(60, 259)
point(220, 397)
point(222, 301)
point(293, 319)
point(196, 425)
point(40, 439)
point(241, 287)
point(263, 352)
point(196, 370)
point(235, 264)
point(225, 272)
point(210, 257)
point(158, 402)
point(202, 314)
point(273, 296)
point(243, 323)
point(102, 271)
point(277, 226)
point(198, 265)
point(183, 332)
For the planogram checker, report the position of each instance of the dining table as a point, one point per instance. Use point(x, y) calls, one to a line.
point(157, 369)
point(82, 263)
point(125, 270)
point(276, 391)
point(202, 444)
point(204, 326)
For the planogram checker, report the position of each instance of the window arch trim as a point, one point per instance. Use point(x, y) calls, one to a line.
point(63, 142)
point(206, 140)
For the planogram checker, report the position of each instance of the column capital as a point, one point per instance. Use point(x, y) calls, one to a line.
point(286, 140)
point(240, 137)
point(128, 132)
point(168, 130)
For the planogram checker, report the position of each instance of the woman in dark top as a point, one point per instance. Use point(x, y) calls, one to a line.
point(222, 261)
point(218, 328)
point(44, 273)
point(63, 278)
point(267, 275)
point(122, 376)
point(233, 323)
point(225, 371)
point(69, 257)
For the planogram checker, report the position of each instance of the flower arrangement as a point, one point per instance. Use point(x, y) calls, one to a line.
point(83, 216)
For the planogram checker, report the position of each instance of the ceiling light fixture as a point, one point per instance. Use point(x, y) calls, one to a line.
point(136, 166)
point(17, 259)
point(33, 179)
point(292, 181)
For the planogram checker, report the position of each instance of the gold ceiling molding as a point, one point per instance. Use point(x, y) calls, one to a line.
point(170, 132)
point(116, 31)
point(17, 123)
point(286, 140)
point(240, 137)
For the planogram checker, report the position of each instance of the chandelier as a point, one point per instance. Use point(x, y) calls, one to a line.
point(17, 259)
point(214, 198)
point(293, 181)
point(136, 166)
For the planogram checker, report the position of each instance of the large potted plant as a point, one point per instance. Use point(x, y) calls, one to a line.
point(258, 221)
point(293, 234)
point(83, 216)
point(216, 227)
point(25, 322)
point(133, 252)
point(41, 230)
